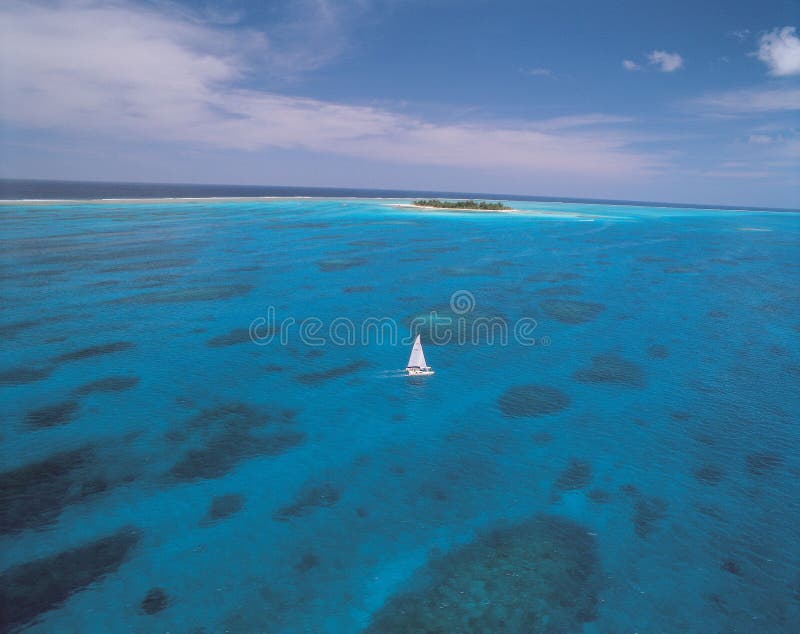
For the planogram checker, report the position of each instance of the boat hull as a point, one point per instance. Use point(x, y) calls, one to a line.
point(419, 371)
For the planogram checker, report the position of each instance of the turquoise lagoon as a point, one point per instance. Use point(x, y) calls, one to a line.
point(634, 469)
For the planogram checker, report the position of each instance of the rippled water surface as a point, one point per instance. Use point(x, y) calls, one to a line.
point(634, 470)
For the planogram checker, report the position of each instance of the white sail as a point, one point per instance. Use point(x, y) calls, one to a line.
point(417, 358)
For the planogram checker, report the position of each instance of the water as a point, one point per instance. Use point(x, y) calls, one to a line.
point(656, 456)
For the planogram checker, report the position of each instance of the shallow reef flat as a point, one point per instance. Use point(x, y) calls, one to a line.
point(540, 576)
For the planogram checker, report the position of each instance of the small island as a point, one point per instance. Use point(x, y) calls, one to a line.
point(462, 204)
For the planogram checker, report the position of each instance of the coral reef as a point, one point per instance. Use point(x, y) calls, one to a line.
point(553, 277)
point(763, 462)
point(229, 434)
point(309, 499)
point(52, 415)
point(232, 338)
point(729, 565)
point(223, 506)
point(563, 289)
point(23, 374)
point(577, 475)
point(442, 324)
point(311, 378)
point(532, 400)
point(149, 265)
point(599, 495)
point(657, 351)
point(540, 576)
point(646, 513)
point(94, 351)
point(223, 451)
point(32, 588)
point(569, 311)
point(35, 494)
point(180, 296)
point(340, 264)
point(108, 384)
point(709, 474)
point(307, 562)
point(611, 368)
point(154, 601)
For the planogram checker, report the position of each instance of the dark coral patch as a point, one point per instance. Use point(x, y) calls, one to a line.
point(652, 258)
point(149, 265)
point(729, 565)
point(553, 277)
point(23, 374)
point(154, 601)
point(14, 328)
point(340, 264)
point(577, 475)
point(109, 384)
point(442, 324)
point(94, 351)
point(180, 296)
point(307, 562)
point(223, 451)
point(223, 506)
point(647, 512)
point(309, 499)
point(763, 462)
point(532, 400)
point(611, 368)
point(487, 270)
point(35, 494)
point(229, 434)
point(442, 249)
point(230, 417)
point(569, 311)
point(53, 415)
point(312, 378)
point(357, 289)
point(542, 437)
point(232, 338)
point(33, 588)
point(541, 576)
point(368, 243)
point(563, 289)
point(599, 495)
point(709, 474)
point(657, 351)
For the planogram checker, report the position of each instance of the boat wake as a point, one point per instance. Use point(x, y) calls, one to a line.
point(391, 374)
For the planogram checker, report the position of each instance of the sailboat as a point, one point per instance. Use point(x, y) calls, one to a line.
point(417, 366)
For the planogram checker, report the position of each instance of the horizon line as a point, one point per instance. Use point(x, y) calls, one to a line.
point(413, 192)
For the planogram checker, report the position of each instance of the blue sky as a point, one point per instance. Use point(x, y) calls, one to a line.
point(680, 101)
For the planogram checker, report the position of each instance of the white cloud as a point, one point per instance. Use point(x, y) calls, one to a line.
point(725, 173)
point(539, 72)
point(666, 62)
point(127, 72)
point(740, 34)
point(628, 64)
point(750, 101)
point(780, 51)
point(759, 139)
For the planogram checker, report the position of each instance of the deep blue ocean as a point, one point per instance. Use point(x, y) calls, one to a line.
point(630, 464)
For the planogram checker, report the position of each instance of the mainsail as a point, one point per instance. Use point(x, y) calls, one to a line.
point(417, 358)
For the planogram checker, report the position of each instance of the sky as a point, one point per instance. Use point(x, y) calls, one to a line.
point(688, 102)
